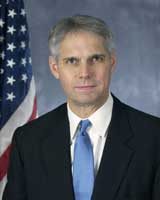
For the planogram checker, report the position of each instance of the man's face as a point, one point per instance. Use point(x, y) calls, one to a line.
point(84, 68)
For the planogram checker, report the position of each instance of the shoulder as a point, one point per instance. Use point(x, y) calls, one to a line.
point(141, 118)
point(144, 126)
point(136, 115)
point(51, 117)
point(38, 128)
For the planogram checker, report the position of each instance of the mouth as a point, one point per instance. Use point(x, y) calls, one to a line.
point(85, 88)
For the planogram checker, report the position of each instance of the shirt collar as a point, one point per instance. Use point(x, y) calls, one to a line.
point(100, 119)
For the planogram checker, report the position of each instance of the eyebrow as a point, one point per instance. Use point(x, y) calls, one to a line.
point(97, 54)
point(91, 56)
point(69, 57)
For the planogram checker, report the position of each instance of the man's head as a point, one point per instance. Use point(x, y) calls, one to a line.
point(83, 58)
point(75, 24)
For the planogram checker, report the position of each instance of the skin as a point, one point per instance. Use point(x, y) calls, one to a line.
point(84, 69)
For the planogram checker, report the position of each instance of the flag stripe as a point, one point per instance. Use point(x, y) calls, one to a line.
point(2, 185)
point(4, 161)
point(34, 112)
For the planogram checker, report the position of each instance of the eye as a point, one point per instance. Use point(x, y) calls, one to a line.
point(72, 61)
point(97, 58)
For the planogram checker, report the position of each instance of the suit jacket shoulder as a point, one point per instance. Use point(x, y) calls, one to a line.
point(144, 128)
point(53, 117)
point(37, 130)
point(137, 117)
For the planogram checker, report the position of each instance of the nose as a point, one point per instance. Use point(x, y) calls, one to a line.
point(84, 71)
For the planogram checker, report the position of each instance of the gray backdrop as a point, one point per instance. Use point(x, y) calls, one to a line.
point(136, 26)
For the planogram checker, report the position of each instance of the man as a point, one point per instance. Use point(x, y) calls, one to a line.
point(93, 147)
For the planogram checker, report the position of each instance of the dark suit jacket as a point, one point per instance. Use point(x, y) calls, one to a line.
point(40, 163)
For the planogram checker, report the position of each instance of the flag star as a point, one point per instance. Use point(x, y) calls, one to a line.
point(1, 22)
point(1, 71)
point(10, 63)
point(23, 61)
point(10, 80)
point(10, 96)
point(23, 12)
point(11, 30)
point(30, 60)
point(23, 29)
point(24, 77)
point(23, 45)
point(1, 38)
point(2, 55)
point(11, 47)
point(12, 13)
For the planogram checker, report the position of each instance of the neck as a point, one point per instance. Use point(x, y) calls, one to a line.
point(85, 110)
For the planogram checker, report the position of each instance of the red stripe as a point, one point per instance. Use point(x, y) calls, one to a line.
point(4, 159)
point(34, 111)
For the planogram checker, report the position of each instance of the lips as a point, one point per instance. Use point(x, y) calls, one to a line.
point(85, 87)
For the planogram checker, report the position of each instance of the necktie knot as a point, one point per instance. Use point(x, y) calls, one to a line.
point(84, 124)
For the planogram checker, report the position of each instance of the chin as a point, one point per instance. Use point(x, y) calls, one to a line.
point(88, 102)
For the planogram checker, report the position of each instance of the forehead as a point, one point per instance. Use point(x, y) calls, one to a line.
point(82, 42)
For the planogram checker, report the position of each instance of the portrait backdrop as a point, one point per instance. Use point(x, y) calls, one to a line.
point(136, 28)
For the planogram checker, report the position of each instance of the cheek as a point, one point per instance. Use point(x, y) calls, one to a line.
point(66, 81)
point(104, 77)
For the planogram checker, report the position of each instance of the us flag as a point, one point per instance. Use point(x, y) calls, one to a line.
point(17, 89)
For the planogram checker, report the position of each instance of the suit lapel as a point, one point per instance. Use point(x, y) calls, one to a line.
point(116, 155)
point(56, 159)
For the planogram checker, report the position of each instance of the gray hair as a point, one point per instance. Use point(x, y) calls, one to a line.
point(75, 24)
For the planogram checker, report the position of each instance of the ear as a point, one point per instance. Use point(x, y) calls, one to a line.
point(113, 60)
point(53, 67)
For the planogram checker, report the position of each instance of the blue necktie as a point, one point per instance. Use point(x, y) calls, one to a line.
point(83, 164)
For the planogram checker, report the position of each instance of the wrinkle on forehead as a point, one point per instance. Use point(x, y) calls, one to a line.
point(82, 44)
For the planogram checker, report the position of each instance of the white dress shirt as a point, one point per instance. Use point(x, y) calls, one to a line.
point(97, 132)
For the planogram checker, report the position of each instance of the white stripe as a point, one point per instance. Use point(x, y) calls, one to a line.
point(19, 117)
point(2, 186)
